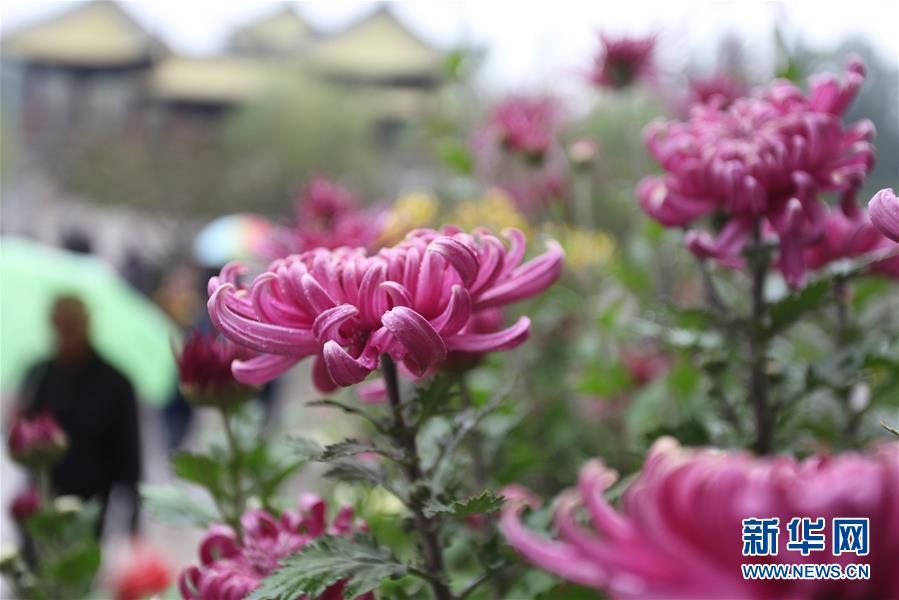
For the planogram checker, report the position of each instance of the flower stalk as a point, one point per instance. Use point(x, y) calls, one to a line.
point(759, 261)
point(234, 468)
point(428, 529)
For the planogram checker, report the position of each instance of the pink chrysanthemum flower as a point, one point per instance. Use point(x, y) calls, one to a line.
point(884, 212)
point(623, 61)
point(204, 368)
point(37, 441)
point(678, 531)
point(851, 237)
point(525, 125)
point(645, 364)
point(230, 568)
point(414, 301)
point(720, 90)
point(327, 216)
point(765, 159)
point(24, 504)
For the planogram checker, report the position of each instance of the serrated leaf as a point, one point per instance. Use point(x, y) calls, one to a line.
point(357, 471)
point(200, 469)
point(353, 447)
point(790, 309)
point(433, 396)
point(173, 505)
point(359, 561)
point(483, 503)
point(305, 448)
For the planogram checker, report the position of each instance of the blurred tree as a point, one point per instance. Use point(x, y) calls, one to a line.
point(300, 128)
point(251, 158)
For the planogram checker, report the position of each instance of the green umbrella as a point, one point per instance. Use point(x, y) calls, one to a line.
point(128, 330)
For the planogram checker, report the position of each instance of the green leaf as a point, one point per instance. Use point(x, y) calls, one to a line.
point(790, 309)
point(172, 504)
point(357, 471)
point(352, 409)
point(353, 447)
point(483, 503)
point(605, 379)
point(360, 561)
point(433, 396)
point(456, 156)
point(200, 469)
point(305, 448)
point(76, 569)
point(892, 430)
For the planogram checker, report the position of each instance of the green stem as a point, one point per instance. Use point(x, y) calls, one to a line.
point(477, 440)
point(43, 488)
point(234, 467)
point(428, 530)
point(759, 261)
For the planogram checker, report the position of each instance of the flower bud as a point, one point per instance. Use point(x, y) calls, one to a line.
point(37, 442)
point(204, 366)
point(24, 504)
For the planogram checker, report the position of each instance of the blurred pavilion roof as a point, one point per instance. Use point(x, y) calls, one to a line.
point(377, 47)
point(282, 32)
point(94, 34)
point(210, 80)
point(378, 55)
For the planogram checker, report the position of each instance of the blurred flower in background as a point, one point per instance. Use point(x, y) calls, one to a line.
point(327, 215)
point(851, 237)
point(408, 212)
point(24, 504)
point(585, 249)
point(204, 366)
point(720, 89)
point(36, 442)
point(495, 210)
point(623, 61)
point(525, 125)
point(765, 159)
point(144, 573)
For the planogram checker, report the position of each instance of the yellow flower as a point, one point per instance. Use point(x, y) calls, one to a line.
point(585, 249)
point(495, 210)
point(411, 211)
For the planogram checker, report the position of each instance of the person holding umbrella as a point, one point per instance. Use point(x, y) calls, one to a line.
point(94, 403)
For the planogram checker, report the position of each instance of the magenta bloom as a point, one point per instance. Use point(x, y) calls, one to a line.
point(766, 158)
point(525, 125)
point(678, 531)
point(644, 365)
point(24, 504)
point(850, 237)
point(720, 90)
point(37, 441)
point(623, 61)
point(884, 212)
point(204, 366)
point(327, 216)
point(230, 569)
point(414, 301)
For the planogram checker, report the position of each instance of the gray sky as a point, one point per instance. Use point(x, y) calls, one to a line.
point(530, 44)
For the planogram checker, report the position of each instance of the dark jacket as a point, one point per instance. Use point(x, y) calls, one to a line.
point(95, 406)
